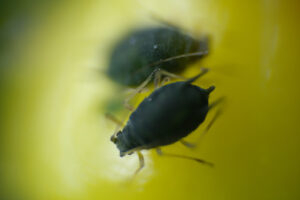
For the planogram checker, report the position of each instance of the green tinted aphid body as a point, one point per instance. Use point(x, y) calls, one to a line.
point(136, 55)
point(166, 116)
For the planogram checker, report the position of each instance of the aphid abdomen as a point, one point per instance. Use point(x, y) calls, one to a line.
point(169, 114)
point(133, 57)
point(173, 43)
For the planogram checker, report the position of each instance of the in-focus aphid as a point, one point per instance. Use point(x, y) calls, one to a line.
point(135, 56)
point(166, 116)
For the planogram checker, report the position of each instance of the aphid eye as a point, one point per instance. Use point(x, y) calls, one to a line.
point(118, 133)
point(113, 138)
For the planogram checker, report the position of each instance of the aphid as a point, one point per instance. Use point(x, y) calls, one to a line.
point(136, 55)
point(166, 116)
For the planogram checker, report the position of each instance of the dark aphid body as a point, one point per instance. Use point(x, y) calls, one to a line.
point(166, 116)
point(140, 52)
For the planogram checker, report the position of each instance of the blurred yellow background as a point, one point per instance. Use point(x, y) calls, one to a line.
point(55, 139)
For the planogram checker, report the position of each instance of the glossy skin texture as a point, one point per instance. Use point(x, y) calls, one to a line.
point(167, 115)
point(132, 58)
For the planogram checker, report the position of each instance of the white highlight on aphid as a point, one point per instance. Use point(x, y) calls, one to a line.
point(120, 169)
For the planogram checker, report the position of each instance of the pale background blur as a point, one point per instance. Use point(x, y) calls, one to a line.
point(55, 139)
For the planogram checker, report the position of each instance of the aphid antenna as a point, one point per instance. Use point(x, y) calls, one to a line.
point(198, 53)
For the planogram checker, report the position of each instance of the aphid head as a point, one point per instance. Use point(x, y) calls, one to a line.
point(118, 140)
point(114, 137)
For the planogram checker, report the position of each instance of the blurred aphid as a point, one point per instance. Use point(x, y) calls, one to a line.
point(136, 55)
point(166, 116)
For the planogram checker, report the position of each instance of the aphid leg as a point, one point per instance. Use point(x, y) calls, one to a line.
point(157, 79)
point(159, 152)
point(128, 106)
point(217, 114)
point(167, 76)
point(171, 75)
point(129, 91)
point(117, 122)
point(215, 117)
point(213, 120)
point(157, 73)
point(139, 89)
point(157, 18)
point(165, 80)
point(217, 102)
point(113, 119)
point(142, 162)
point(188, 144)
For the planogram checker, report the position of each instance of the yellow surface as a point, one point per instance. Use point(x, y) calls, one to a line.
point(55, 139)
